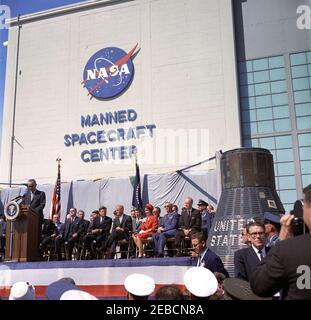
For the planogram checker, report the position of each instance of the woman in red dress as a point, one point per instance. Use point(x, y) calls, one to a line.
point(147, 228)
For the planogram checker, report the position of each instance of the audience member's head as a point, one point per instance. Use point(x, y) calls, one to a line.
point(133, 215)
point(174, 208)
point(169, 293)
point(219, 294)
point(168, 207)
point(94, 215)
point(198, 242)
point(148, 209)
point(202, 205)
point(55, 218)
point(102, 211)
point(210, 209)
point(139, 286)
point(72, 212)
point(156, 211)
point(81, 214)
point(22, 290)
point(200, 282)
point(256, 234)
point(66, 289)
point(55, 290)
point(119, 210)
point(272, 223)
point(188, 203)
point(244, 237)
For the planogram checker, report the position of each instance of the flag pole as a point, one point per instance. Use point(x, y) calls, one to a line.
point(55, 197)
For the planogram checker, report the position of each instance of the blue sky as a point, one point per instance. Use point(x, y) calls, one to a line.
point(21, 7)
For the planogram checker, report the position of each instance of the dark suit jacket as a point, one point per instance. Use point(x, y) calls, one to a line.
point(105, 226)
point(126, 224)
point(279, 269)
point(245, 262)
point(193, 222)
point(83, 227)
point(37, 203)
point(70, 228)
point(212, 262)
point(49, 228)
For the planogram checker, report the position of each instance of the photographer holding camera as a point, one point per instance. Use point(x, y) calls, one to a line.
point(280, 270)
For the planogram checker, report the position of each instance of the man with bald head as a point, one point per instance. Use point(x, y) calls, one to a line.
point(121, 228)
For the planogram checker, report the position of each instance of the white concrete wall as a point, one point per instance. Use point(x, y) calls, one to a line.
point(185, 78)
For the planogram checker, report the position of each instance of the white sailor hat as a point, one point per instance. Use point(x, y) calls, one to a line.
point(22, 290)
point(200, 281)
point(77, 295)
point(139, 284)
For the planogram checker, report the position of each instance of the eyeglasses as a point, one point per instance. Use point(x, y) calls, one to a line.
point(255, 234)
point(166, 206)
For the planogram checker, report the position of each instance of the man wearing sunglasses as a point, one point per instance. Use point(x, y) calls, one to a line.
point(246, 260)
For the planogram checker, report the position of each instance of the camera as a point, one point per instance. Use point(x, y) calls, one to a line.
point(297, 221)
point(297, 225)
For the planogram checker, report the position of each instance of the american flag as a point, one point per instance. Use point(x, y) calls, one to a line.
point(56, 203)
point(137, 200)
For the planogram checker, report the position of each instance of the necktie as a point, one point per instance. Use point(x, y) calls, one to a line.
point(260, 254)
point(199, 260)
point(31, 196)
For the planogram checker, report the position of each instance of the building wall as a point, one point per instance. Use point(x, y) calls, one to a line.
point(185, 78)
point(275, 97)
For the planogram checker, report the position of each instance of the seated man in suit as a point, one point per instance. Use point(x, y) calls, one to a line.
point(99, 231)
point(121, 229)
point(246, 260)
point(167, 229)
point(69, 233)
point(49, 232)
point(84, 224)
point(204, 256)
point(189, 223)
point(287, 265)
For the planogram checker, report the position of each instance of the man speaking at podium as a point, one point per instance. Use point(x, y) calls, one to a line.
point(35, 199)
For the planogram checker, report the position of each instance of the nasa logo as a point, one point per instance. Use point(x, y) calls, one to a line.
point(108, 72)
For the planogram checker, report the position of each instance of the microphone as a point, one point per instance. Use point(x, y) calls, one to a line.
point(16, 198)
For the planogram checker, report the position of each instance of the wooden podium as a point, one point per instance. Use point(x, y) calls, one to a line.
point(21, 242)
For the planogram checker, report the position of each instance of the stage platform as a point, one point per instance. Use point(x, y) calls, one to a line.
point(102, 278)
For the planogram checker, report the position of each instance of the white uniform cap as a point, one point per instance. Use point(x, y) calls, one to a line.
point(200, 281)
point(139, 284)
point(77, 295)
point(22, 290)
